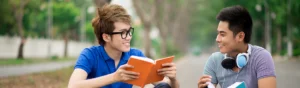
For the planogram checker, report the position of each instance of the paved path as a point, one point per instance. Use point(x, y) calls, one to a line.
point(191, 68)
point(6, 71)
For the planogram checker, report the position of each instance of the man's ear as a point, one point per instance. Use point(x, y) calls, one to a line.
point(240, 36)
point(106, 37)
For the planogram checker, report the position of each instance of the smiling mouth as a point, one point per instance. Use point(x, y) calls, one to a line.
point(127, 43)
point(219, 45)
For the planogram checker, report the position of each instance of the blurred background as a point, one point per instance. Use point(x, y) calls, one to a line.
point(40, 40)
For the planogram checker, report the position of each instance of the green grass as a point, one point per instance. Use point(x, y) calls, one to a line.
point(50, 79)
point(15, 61)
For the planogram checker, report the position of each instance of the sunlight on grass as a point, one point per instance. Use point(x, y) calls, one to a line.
point(52, 79)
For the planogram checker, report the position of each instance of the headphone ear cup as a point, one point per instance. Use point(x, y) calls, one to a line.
point(228, 63)
point(241, 61)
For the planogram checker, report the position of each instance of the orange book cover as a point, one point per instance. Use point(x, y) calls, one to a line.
point(147, 69)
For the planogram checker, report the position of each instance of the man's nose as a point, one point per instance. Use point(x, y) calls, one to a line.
point(218, 39)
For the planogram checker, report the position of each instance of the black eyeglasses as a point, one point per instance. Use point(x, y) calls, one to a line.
point(124, 33)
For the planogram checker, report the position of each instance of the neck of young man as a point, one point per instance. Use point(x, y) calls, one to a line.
point(113, 53)
point(242, 48)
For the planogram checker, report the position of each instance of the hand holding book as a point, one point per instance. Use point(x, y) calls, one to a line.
point(151, 70)
point(168, 70)
point(122, 75)
point(204, 81)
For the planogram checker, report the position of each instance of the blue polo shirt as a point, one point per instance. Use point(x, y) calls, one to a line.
point(96, 63)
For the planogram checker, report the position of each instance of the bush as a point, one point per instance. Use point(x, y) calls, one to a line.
point(54, 57)
point(296, 52)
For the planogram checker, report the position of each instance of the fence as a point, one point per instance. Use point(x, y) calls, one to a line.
point(39, 47)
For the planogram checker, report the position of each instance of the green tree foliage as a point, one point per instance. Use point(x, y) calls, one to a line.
point(64, 16)
point(7, 20)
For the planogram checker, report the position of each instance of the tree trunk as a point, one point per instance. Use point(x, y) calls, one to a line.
point(289, 34)
point(23, 39)
point(162, 32)
point(147, 40)
point(147, 19)
point(19, 13)
point(21, 47)
point(168, 17)
point(279, 42)
point(49, 27)
point(181, 41)
point(267, 27)
point(254, 40)
point(173, 24)
point(66, 40)
point(82, 23)
point(163, 47)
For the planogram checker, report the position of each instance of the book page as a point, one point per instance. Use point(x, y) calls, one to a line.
point(161, 61)
point(144, 59)
point(210, 85)
point(154, 76)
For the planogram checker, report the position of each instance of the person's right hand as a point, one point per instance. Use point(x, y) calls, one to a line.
point(202, 82)
point(122, 75)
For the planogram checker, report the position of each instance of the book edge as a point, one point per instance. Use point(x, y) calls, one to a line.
point(143, 59)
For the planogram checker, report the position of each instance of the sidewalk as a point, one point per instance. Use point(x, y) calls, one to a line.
point(33, 68)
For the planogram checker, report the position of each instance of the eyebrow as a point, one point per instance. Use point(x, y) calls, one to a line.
point(125, 29)
point(221, 32)
point(122, 30)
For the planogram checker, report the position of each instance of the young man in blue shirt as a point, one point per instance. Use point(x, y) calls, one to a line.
point(104, 66)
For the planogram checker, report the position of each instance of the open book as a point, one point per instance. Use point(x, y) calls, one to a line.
point(238, 85)
point(147, 69)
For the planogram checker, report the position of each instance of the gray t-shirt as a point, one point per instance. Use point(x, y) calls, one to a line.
point(260, 64)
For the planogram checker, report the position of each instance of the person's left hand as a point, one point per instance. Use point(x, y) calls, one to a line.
point(168, 70)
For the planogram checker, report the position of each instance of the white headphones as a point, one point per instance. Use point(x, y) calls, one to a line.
point(240, 62)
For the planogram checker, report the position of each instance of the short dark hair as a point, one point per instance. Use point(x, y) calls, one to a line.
point(239, 20)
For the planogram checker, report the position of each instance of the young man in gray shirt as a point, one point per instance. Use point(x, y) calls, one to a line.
point(238, 61)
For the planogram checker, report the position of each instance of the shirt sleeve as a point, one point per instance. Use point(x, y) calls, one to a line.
point(265, 65)
point(84, 61)
point(210, 67)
